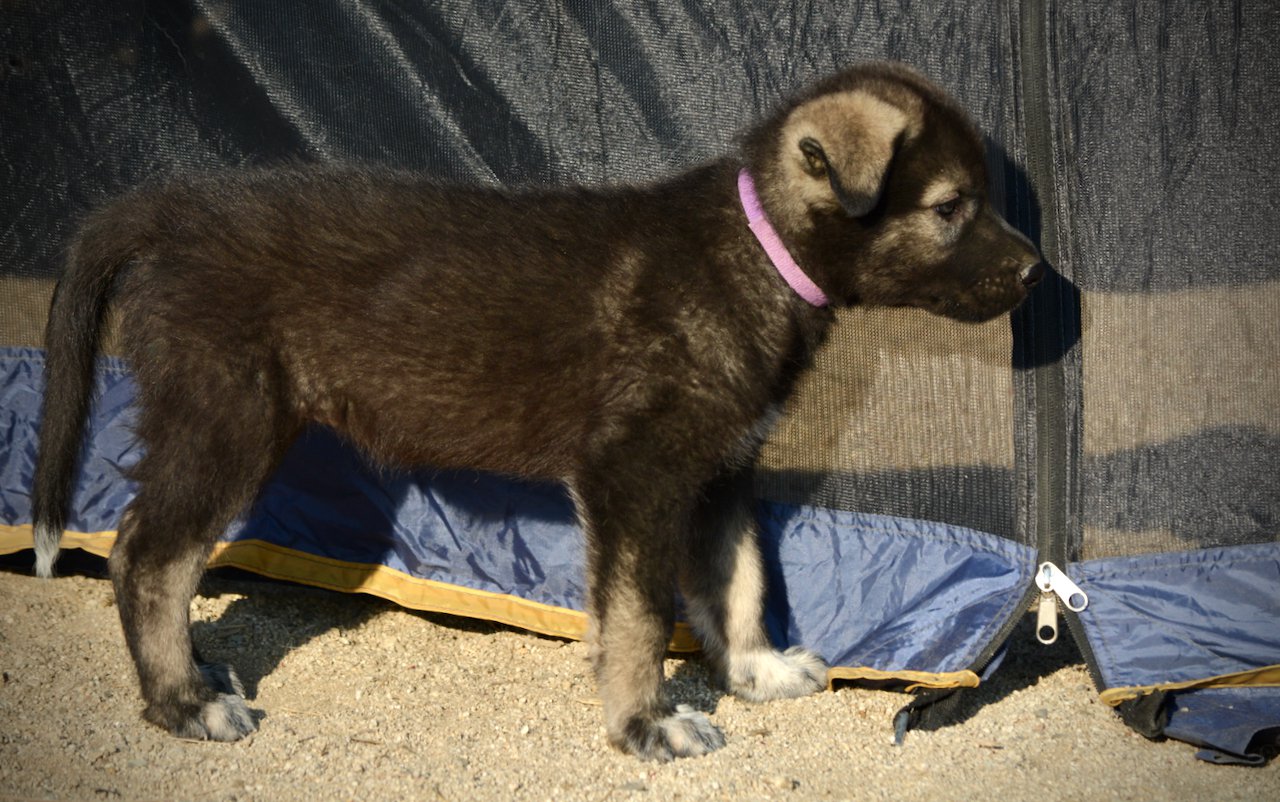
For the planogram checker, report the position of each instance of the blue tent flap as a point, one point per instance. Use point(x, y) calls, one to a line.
point(1174, 618)
point(890, 593)
point(101, 491)
point(878, 596)
point(1189, 623)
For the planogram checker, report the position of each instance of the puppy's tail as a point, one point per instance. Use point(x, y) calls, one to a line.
point(71, 340)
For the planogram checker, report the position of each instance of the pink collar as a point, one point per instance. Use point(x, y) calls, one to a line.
point(772, 243)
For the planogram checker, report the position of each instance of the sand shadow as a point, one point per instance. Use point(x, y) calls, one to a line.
point(1023, 663)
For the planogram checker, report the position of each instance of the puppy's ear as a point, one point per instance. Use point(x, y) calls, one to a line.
point(840, 147)
point(863, 194)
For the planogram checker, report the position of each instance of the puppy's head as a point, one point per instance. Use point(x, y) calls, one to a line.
point(878, 180)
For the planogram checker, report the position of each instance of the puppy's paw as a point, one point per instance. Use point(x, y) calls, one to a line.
point(684, 733)
point(765, 674)
point(225, 717)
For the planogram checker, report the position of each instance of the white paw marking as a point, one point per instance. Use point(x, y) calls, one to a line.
point(227, 718)
point(688, 733)
point(764, 674)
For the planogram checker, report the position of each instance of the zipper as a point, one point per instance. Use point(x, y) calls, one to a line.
point(1037, 322)
point(1054, 325)
point(1046, 308)
point(1049, 324)
point(1040, 321)
point(1055, 586)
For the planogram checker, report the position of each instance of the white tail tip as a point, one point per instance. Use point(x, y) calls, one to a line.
point(46, 551)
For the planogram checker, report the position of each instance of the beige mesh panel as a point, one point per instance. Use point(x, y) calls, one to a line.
point(23, 312)
point(895, 390)
point(1161, 365)
point(1181, 415)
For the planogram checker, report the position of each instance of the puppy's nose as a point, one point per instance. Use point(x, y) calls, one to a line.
point(1032, 274)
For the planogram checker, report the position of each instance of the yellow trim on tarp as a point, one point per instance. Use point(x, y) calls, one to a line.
point(408, 591)
point(1265, 677)
point(17, 538)
point(917, 679)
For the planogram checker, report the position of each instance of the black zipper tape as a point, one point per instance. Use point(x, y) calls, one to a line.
point(1055, 323)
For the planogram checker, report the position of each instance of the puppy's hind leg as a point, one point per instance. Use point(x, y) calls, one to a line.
point(197, 474)
point(723, 583)
point(155, 570)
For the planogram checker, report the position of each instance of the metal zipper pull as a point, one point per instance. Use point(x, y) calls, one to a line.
point(1053, 579)
point(1054, 584)
point(1047, 619)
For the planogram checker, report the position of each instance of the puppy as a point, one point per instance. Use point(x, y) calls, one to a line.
point(632, 343)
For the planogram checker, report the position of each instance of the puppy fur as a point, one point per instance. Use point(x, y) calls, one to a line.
point(632, 343)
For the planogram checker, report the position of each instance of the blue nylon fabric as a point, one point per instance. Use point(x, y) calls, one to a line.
point(466, 529)
point(863, 590)
point(888, 593)
point(1166, 618)
point(1226, 721)
point(101, 492)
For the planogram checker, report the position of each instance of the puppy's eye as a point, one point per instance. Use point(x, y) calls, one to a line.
point(947, 208)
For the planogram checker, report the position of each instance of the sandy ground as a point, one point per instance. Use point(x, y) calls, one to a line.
point(361, 700)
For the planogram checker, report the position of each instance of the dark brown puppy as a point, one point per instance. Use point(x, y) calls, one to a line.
point(633, 343)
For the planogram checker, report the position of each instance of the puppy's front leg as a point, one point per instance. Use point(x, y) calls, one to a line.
point(630, 543)
point(723, 584)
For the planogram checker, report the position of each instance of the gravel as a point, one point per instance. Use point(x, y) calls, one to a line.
point(360, 699)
